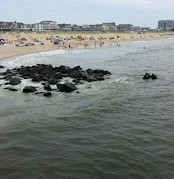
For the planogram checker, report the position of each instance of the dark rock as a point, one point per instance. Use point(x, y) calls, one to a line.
point(59, 86)
point(77, 68)
point(39, 93)
point(90, 79)
point(89, 71)
point(67, 87)
point(98, 77)
point(6, 83)
point(154, 77)
point(146, 76)
point(1, 66)
point(75, 74)
point(63, 69)
point(47, 94)
point(101, 72)
point(58, 75)
point(29, 89)
point(36, 78)
point(52, 81)
point(7, 77)
point(11, 89)
point(47, 86)
point(6, 72)
point(14, 81)
point(46, 69)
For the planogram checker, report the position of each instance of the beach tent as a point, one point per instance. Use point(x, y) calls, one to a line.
point(58, 38)
point(91, 38)
point(5, 39)
point(1, 39)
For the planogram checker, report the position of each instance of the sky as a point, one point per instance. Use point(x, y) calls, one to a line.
point(144, 13)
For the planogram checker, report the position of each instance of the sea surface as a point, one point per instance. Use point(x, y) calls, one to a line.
point(120, 128)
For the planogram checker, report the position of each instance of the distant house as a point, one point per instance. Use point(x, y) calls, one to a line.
point(10, 26)
point(49, 25)
point(86, 28)
point(145, 28)
point(65, 27)
point(96, 27)
point(125, 27)
point(109, 26)
point(135, 28)
point(27, 27)
point(76, 28)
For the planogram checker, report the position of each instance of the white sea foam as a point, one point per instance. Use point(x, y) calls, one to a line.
point(120, 80)
point(31, 59)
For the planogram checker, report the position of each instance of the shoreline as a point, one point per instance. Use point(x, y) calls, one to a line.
point(9, 51)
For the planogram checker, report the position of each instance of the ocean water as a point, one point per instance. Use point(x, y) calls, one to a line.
point(122, 127)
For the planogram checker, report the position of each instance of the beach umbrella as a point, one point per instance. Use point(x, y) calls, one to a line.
point(1, 39)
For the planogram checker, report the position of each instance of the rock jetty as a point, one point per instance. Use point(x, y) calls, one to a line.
point(48, 75)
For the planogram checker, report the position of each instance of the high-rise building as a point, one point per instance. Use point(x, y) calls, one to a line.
point(166, 24)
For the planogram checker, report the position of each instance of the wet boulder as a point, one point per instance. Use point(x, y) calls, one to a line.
point(47, 86)
point(98, 77)
point(101, 72)
point(11, 89)
point(14, 81)
point(47, 94)
point(63, 69)
point(7, 72)
point(58, 75)
point(29, 89)
point(39, 92)
point(52, 81)
point(90, 79)
point(7, 77)
point(153, 76)
point(59, 86)
point(1, 66)
point(89, 71)
point(76, 74)
point(66, 87)
point(46, 69)
point(37, 78)
point(146, 76)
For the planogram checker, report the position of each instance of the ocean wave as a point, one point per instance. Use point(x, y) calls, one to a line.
point(30, 59)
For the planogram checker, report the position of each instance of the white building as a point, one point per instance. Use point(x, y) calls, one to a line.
point(38, 27)
point(109, 26)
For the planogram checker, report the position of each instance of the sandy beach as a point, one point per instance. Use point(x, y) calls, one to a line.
point(10, 50)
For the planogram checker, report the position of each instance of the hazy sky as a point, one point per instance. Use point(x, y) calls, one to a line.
point(136, 12)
